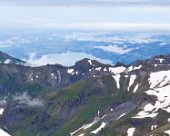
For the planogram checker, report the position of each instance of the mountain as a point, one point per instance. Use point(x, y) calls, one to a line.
point(6, 59)
point(89, 98)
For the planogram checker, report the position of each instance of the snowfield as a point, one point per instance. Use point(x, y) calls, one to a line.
point(117, 78)
point(117, 70)
point(132, 79)
point(131, 68)
point(159, 79)
point(159, 87)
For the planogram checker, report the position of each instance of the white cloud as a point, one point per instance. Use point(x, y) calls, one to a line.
point(6, 43)
point(27, 100)
point(100, 26)
point(12, 41)
point(139, 38)
point(3, 102)
point(114, 49)
point(67, 59)
point(85, 18)
point(163, 44)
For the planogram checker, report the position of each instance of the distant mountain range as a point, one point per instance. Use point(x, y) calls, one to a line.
point(60, 46)
point(89, 98)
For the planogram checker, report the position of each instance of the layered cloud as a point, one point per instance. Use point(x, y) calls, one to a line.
point(124, 18)
point(67, 59)
point(109, 37)
point(101, 26)
point(114, 49)
point(13, 41)
point(27, 100)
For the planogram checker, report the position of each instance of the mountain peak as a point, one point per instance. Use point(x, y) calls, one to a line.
point(6, 59)
point(119, 64)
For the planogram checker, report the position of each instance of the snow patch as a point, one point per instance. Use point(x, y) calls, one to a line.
point(155, 65)
point(53, 76)
point(160, 60)
point(143, 114)
point(105, 69)
point(99, 129)
point(90, 62)
point(77, 130)
point(137, 67)
point(117, 78)
point(131, 131)
point(7, 61)
point(3, 133)
point(131, 68)
point(70, 71)
point(136, 88)
point(167, 132)
point(153, 127)
point(132, 79)
point(121, 116)
point(126, 76)
point(117, 70)
point(1, 111)
point(90, 124)
point(147, 109)
point(84, 127)
point(81, 135)
point(98, 69)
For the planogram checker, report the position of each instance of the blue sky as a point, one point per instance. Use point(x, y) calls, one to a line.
point(86, 14)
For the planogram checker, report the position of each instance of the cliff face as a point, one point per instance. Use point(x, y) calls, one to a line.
point(88, 98)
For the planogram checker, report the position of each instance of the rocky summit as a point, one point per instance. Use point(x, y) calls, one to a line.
point(87, 99)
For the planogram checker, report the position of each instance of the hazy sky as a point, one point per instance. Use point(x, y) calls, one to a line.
point(116, 3)
point(86, 14)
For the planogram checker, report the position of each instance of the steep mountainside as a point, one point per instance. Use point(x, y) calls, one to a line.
point(6, 59)
point(86, 99)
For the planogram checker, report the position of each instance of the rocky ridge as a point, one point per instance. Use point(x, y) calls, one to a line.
point(88, 98)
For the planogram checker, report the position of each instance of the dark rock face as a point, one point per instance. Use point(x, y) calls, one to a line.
point(46, 77)
point(119, 64)
point(160, 59)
